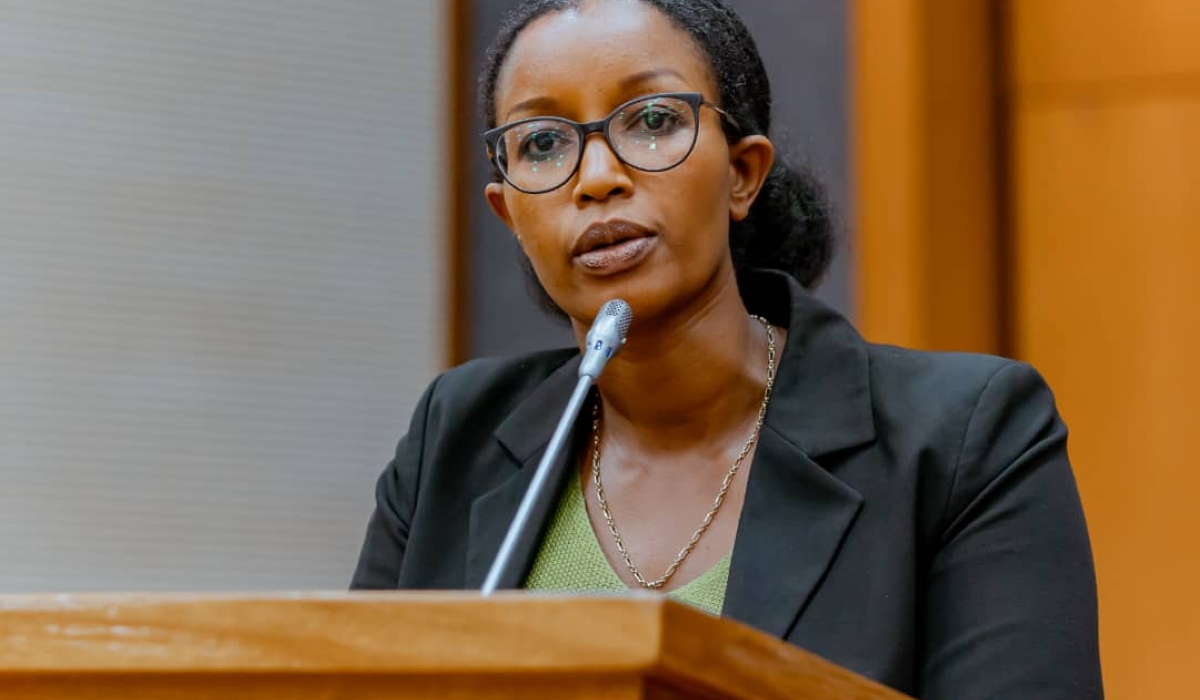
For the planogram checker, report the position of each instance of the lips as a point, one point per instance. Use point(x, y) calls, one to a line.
point(608, 233)
point(612, 247)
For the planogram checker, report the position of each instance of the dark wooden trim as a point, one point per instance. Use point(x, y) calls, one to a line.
point(1006, 267)
point(458, 223)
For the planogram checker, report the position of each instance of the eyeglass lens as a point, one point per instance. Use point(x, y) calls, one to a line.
point(653, 134)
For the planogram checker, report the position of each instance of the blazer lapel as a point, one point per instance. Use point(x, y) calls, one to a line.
point(792, 524)
point(491, 514)
point(523, 436)
point(797, 513)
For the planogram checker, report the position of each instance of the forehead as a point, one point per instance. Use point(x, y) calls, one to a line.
point(582, 58)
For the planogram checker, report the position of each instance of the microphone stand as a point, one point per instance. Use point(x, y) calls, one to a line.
point(605, 338)
point(533, 493)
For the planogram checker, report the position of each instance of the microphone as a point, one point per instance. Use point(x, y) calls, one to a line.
point(604, 339)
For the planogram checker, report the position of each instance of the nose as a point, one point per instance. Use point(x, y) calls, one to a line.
point(601, 173)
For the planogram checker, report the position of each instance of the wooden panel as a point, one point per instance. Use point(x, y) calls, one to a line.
point(1107, 115)
point(263, 633)
point(1108, 306)
point(925, 177)
point(1085, 257)
point(753, 663)
point(401, 645)
point(301, 686)
point(1103, 41)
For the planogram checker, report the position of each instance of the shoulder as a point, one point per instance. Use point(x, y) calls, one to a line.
point(1001, 542)
point(458, 412)
point(972, 420)
point(954, 376)
point(496, 384)
point(966, 412)
point(949, 384)
point(509, 374)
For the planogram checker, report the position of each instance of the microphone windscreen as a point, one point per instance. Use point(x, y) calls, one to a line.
point(620, 310)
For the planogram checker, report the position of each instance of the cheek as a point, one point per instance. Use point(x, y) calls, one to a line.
point(534, 227)
point(712, 163)
point(699, 193)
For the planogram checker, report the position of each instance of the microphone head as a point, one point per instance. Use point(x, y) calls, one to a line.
point(606, 336)
point(619, 310)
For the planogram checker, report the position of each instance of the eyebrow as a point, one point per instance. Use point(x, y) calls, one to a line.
point(630, 81)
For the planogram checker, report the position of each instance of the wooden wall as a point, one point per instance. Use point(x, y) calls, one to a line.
point(925, 159)
point(1082, 238)
point(1105, 157)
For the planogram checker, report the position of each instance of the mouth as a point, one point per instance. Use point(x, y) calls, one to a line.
point(608, 233)
point(612, 246)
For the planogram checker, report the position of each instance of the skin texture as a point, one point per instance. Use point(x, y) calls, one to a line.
point(681, 398)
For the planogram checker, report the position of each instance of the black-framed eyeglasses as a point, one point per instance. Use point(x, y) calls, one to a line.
point(651, 133)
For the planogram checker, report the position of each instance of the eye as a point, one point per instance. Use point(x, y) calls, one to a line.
point(538, 145)
point(655, 118)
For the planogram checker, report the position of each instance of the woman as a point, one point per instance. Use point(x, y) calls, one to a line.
point(911, 516)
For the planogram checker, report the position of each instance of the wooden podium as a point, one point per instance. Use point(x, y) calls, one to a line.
point(371, 646)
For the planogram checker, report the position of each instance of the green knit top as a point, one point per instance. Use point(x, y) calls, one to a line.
point(570, 559)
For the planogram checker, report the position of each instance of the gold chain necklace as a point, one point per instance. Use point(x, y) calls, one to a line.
point(712, 512)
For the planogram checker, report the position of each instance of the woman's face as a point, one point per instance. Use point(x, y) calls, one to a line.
point(659, 240)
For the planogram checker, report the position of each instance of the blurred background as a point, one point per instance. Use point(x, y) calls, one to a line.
point(238, 238)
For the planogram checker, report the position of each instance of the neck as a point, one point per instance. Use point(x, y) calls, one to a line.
point(698, 372)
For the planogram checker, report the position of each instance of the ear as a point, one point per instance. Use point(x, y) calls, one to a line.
point(494, 193)
point(750, 161)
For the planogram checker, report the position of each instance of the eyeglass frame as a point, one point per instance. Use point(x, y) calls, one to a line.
point(491, 137)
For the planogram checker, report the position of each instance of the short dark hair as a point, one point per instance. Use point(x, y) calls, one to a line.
point(790, 226)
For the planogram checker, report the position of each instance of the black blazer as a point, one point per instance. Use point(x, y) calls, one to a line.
point(911, 516)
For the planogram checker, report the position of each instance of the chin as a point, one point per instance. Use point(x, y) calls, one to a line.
point(650, 293)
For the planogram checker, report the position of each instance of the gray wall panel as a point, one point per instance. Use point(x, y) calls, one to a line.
point(220, 288)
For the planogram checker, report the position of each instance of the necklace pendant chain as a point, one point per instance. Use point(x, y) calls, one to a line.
point(717, 502)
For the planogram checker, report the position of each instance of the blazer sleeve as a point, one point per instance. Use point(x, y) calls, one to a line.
point(1010, 608)
point(383, 546)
